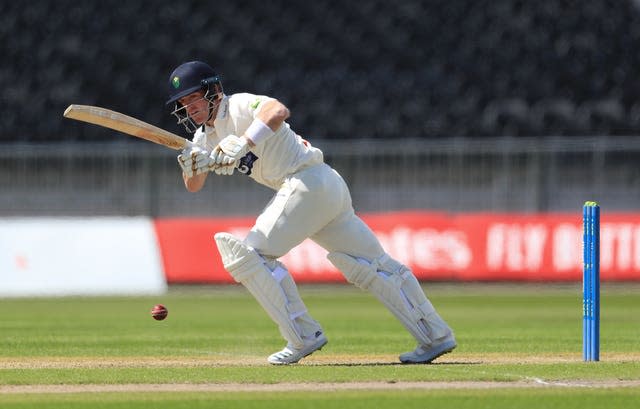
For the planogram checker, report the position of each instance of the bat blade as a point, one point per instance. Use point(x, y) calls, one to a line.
point(125, 124)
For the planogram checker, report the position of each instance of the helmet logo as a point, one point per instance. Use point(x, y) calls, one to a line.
point(175, 82)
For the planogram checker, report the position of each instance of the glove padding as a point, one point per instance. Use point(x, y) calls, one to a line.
point(224, 170)
point(216, 162)
point(193, 160)
point(230, 150)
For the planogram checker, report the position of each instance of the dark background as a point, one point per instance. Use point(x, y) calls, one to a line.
point(370, 69)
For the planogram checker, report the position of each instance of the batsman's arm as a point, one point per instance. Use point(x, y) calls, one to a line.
point(273, 114)
point(194, 183)
point(232, 148)
point(267, 121)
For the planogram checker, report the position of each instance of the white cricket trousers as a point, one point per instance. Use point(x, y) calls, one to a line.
point(313, 203)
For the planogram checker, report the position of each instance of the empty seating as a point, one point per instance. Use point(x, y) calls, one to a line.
point(374, 69)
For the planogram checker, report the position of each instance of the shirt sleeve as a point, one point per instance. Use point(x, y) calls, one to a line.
point(243, 109)
point(256, 102)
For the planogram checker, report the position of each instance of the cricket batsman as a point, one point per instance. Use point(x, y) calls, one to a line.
point(248, 133)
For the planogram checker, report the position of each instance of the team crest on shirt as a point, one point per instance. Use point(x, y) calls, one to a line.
point(246, 163)
point(255, 103)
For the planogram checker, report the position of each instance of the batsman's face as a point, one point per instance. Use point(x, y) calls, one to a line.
point(197, 107)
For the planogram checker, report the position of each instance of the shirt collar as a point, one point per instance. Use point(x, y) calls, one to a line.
point(223, 108)
point(223, 112)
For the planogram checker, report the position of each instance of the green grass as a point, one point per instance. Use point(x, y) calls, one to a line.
point(509, 333)
point(471, 399)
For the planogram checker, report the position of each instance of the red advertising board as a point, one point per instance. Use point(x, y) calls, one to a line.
point(436, 246)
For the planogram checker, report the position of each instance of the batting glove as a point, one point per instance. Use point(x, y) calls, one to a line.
point(221, 163)
point(231, 149)
point(203, 162)
point(224, 170)
point(188, 160)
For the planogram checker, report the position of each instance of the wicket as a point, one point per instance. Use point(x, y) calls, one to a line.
point(591, 282)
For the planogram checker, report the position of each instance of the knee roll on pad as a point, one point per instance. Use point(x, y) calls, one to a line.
point(237, 258)
point(398, 289)
point(358, 273)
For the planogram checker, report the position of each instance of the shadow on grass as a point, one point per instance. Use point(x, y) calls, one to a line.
point(365, 364)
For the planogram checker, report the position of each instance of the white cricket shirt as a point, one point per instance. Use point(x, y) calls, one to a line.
point(270, 162)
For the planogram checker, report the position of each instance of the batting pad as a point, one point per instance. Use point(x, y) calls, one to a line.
point(397, 288)
point(247, 267)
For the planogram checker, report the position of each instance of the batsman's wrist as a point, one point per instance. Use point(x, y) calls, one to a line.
point(257, 132)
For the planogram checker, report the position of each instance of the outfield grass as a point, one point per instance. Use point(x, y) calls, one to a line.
point(525, 335)
point(465, 399)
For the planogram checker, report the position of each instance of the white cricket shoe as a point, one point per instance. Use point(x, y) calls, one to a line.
point(292, 355)
point(425, 354)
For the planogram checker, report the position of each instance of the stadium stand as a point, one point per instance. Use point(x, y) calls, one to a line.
point(372, 69)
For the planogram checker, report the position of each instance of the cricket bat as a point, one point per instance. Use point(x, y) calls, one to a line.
point(126, 124)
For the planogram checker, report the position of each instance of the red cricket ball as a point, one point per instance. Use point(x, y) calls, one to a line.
point(159, 312)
